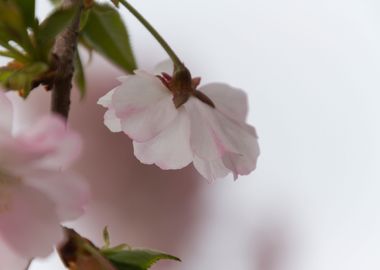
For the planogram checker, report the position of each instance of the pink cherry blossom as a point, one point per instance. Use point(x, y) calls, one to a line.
point(37, 193)
point(172, 127)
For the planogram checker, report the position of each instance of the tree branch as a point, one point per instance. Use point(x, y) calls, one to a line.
point(64, 51)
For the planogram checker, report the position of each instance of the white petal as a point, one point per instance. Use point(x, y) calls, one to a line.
point(138, 92)
point(230, 101)
point(112, 121)
point(240, 141)
point(106, 100)
point(144, 106)
point(215, 136)
point(6, 113)
point(31, 226)
point(202, 138)
point(68, 191)
point(171, 148)
point(211, 170)
point(147, 124)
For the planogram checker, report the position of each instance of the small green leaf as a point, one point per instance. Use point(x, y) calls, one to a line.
point(79, 76)
point(7, 54)
point(106, 33)
point(137, 259)
point(21, 79)
point(27, 9)
point(13, 27)
point(55, 23)
point(11, 17)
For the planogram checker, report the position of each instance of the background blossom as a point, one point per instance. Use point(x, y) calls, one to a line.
point(37, 193)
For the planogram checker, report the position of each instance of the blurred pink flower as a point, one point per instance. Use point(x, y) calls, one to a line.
point(205, 126)
point(36, 193)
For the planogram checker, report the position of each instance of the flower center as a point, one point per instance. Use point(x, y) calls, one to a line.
point(183, 86)
point(7, 183)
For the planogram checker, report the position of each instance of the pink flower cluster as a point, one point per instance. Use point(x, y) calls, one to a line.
point(37, 193)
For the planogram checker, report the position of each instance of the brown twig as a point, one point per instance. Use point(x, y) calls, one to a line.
point(64, 50)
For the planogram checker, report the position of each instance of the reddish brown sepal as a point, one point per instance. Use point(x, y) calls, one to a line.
point(202, 97)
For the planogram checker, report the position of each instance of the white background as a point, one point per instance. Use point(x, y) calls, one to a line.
point(312, 72)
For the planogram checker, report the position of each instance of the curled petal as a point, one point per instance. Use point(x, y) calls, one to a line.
point(106, 100)
point(112, 121)
point(171, 148)
point(232, 102)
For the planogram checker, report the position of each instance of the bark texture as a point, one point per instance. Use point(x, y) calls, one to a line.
point(64, 51)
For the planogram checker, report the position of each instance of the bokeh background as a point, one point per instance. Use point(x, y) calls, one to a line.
point(311, 69)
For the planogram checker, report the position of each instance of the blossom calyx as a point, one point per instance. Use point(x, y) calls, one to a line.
point(182, 85)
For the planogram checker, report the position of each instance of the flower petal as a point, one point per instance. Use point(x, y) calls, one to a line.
point(241, 143)
point(10, 259)
point(144, 106)
point(106, 100)
point(112, 121)
point(137, 92)
point(147, 124)
point(6, 113)
point(50, 137)
point(203, 139)
point(230, 101)
point(31, 226)
point(170, 149)
point(69, 192)
point(212, 169)
point(215, 136)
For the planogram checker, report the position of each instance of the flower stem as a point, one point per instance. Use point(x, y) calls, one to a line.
point(176, 61)
point(64, 50)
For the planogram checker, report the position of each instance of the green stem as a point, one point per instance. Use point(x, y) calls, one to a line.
point(176, 61)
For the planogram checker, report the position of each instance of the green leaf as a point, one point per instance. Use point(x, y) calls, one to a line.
point(21, 79)
point(137, 259)
point(12, 25)
point(106, 33)
point(79, 76)
point(55, 23)
point(27, 8)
